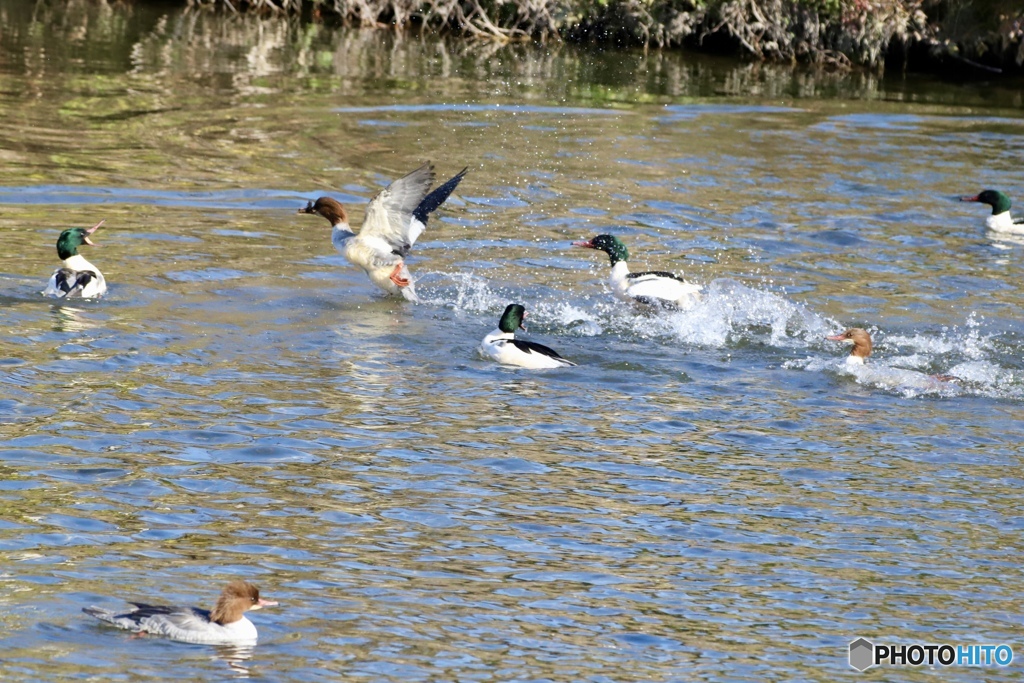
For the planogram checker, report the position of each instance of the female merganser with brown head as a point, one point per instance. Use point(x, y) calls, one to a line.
point(861, 342)
point(226, 623)
point(653, 288)
point(395, 217)
point(502, 345)
point(1000, 220)
point(76, 277)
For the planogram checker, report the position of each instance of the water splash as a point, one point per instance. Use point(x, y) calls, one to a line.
point(467, 291)
point(735, 315)
point(955, 361)
point(730, 314)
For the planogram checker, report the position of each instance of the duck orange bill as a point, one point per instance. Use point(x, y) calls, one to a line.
point(92, 230)
point(970, 199)
point(267, 603)
point(588, 244)
point(836, 337)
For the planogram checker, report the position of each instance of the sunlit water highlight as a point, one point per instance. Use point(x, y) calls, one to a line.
point(712, 494)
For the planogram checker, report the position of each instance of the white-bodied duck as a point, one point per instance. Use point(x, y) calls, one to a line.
point(657, 288)
point(1000, 220)
point(225, 624)
point(76, 277)
point(395, 217)
point(502, 345)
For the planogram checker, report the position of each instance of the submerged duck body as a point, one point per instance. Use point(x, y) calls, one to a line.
point(225, 624)
point(395, 218)
point(1000, 220)
point(860, 341)
point(76, 278)
point(501, 344)
point(657, 288)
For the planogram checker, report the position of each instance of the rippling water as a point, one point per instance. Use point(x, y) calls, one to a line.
point(710, 495)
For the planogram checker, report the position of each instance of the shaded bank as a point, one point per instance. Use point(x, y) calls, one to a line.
point(979, 36)
point(168, 51)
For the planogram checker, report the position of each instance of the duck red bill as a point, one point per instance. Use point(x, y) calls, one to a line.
point(267, 603)
point(970, 199)
point(91, 231)
point(836, 337)
point(583, 244)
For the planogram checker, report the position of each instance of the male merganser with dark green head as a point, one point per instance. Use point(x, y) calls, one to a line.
point(76, 277)
point(657, 287)
point(395, 217)
point(1000, 220)
point(502, 345)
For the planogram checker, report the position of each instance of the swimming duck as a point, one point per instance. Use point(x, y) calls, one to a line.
point(652, 288)
point(225, 624)
point(1000, 220)
point(502, 345)
point(76, 277)
point(861, 343)
point(859, 339)
point(395, 217)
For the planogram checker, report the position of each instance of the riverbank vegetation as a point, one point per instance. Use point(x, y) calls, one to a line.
point(968, 36)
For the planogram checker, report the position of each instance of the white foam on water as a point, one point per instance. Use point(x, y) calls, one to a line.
point(575, 319)
point(466, 292)
point(735, 314)
point(968, 341)
point(954, 361)
point(907, 383)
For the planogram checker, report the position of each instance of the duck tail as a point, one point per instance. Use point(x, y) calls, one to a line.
point(99, 613)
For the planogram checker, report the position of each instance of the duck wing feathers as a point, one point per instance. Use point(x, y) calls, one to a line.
point(534, 347)
point(159, 619)
point(653, 274)
point(438, 197)
point(72, 282)
point(389, 214)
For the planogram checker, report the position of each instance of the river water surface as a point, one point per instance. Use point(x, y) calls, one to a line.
point(710, 495)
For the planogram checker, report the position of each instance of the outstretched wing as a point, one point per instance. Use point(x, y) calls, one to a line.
point(438, 197)
point(389, 215)
point(534, 347)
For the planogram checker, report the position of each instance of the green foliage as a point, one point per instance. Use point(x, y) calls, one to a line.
point(827, 8)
